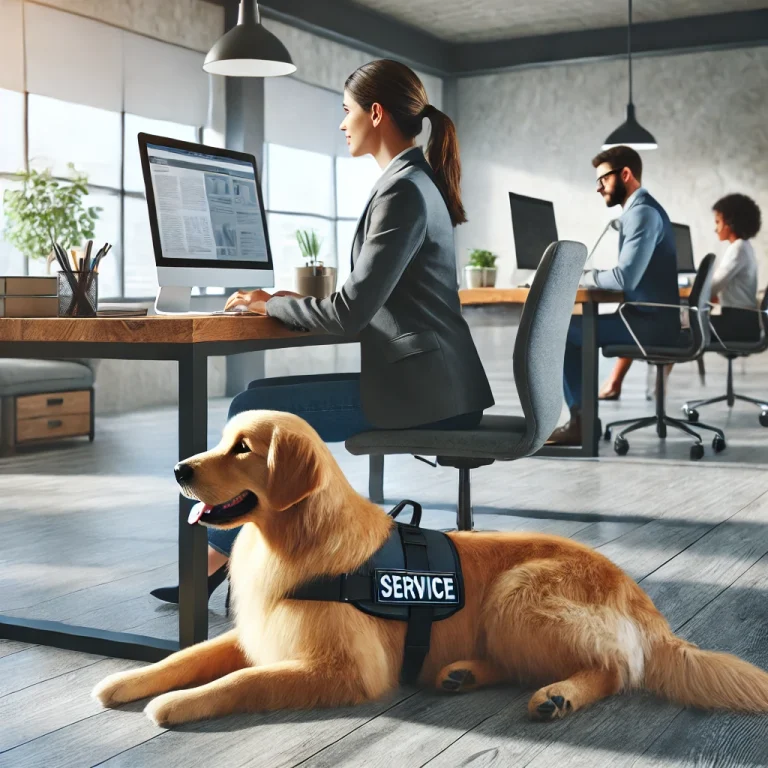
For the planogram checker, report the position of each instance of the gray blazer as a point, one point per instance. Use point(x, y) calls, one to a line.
point(418, 360)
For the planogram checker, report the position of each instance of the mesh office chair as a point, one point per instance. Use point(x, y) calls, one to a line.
point(731, 350)
point(691, 344)
point(538, 368)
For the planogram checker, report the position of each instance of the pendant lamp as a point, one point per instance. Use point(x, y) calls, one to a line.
point(630, 133)
point(248, 49)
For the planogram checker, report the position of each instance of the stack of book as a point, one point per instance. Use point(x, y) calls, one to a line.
point(29, 296)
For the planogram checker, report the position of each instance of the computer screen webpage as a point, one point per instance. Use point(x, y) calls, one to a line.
point(207, 206)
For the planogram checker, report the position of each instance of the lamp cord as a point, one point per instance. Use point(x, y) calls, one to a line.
point(629, 50)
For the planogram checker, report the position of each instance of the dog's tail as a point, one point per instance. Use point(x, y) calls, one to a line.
point(682, 672)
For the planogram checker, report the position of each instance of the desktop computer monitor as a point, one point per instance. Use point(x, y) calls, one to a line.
point(534, 228)
point(685, 265)
point(207, 219)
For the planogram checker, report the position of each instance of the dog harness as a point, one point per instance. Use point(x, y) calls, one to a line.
point(415, 576)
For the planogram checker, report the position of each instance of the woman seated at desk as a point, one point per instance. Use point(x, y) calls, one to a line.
point(419, 365)
point(734, 283)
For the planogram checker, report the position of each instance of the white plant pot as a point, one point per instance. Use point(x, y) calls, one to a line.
point(473, 277)
point(489, 278)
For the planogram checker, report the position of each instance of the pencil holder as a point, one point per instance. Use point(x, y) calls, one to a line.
point(78, 293)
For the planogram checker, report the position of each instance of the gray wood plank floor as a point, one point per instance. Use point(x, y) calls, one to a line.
point(89, 529)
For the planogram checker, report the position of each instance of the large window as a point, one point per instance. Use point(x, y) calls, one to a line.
point(313, 191)
point(87, 108)
point(103, 145)
point(309, 180)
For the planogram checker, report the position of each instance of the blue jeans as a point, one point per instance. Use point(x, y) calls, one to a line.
point(659, 328)
point(330, 403)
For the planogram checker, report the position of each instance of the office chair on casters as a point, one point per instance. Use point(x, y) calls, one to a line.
point(538, 368)
point(731, 350)
point(691, 346)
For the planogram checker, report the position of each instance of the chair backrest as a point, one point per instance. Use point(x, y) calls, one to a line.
point(764, 313)
point(540, 344)
point(701, 293)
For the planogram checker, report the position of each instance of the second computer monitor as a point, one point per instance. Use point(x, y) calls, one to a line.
point(534, 228)
point(685, 264)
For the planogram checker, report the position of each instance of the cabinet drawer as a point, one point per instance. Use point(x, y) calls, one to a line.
point(54, 404)
point(51, 428)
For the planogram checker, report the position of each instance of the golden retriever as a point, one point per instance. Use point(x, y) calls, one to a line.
point(538, 609)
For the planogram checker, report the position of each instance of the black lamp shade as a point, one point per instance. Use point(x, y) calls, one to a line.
point(249, 50)
point(631, 134)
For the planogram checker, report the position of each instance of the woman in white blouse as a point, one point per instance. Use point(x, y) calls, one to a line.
point(734, 284)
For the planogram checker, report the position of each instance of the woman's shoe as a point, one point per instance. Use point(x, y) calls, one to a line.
point(171, 594)
point(609, 394)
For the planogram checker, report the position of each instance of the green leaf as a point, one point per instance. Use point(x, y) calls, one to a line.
point(46, 207)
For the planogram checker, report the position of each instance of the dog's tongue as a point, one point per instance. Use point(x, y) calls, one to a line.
point(197, 512)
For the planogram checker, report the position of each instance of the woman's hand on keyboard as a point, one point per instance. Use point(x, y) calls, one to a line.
point(255, 301)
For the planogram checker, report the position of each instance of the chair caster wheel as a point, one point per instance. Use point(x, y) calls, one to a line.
point(718, 444)
point(764, 418)
point(607, 434)
point(621, 446)
point(697, 451)
point(691, 414)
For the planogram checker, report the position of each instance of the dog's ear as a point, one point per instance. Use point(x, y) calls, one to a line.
point(294, 469)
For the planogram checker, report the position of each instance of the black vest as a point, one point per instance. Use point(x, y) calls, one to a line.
point(415, 576)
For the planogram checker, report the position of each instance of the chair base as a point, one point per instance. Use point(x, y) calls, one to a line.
point(662, 421)
point(690, 408)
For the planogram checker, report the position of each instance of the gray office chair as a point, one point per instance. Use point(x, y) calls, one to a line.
point(538, 369)
point(731, 350)
point(689, 347)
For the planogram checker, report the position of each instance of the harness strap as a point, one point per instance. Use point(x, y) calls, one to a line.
point(336, 589)
point(419, 617)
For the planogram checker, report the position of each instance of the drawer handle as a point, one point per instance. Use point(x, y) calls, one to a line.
point(55, 401)
point(55, 423)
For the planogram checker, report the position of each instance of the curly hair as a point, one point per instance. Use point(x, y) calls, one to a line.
point(741, 214)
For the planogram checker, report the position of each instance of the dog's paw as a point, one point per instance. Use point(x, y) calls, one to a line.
point(118, 689)
point(171, 709)
point(457, 680)
point(547, 704)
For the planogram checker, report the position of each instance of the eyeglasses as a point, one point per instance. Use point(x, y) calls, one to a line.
point(599, 183)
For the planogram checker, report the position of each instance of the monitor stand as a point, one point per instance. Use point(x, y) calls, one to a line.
point(523, 277)
point(173, 300)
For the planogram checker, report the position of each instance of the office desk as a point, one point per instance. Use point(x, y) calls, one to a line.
point(190, 341)
point(587, 302)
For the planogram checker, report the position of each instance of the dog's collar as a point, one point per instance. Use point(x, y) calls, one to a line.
point(415, 576)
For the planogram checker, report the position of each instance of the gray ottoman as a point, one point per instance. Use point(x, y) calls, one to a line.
point(43, 401)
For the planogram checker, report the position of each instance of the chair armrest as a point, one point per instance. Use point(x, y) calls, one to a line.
point(678, 307)
point(741, 309)
point(654, 304)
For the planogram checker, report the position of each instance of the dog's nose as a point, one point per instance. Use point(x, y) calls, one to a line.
point(183, 473)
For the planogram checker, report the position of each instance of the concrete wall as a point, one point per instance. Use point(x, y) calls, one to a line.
point(535, 132)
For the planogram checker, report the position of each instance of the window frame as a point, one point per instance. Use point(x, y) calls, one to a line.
point(120, 192)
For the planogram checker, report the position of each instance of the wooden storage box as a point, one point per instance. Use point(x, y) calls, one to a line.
point(30, 419)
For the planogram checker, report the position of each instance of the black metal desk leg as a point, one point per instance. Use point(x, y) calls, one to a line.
point(193, 541)
point(590, 428)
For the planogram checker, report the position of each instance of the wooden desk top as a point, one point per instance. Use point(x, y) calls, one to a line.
point(211, 328)
point(479, 296)
point(144, 330)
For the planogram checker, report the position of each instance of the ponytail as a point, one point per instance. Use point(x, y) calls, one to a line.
point(398, 89)
point(443, 157)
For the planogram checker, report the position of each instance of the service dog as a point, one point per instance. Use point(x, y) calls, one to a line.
point(537, 609)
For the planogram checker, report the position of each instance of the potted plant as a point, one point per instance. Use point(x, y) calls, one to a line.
point(480, 271)
point(46, 209)
point(315, 279)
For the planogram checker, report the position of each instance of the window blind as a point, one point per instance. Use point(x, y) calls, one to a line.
point(12, 45)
